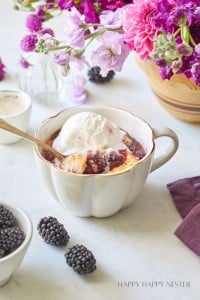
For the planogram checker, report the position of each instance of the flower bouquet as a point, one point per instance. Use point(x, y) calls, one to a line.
point(163, 32)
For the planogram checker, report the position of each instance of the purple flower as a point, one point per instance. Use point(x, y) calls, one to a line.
point(112, 4)
point(197, 50)
point(161, 62)
point(65, 4)
point(74, 32)
point(2, 72)
point(111, 53)
point(165, 73)
point(33, 23)
point(76, 91)
point(50, 3)
point(29, 42)
point(61, 58)
point(79, 62)
point(112, 19)
point(47, 31)
point(41, 12)
point(89, 10)
point(195, 72)
point(185, 50)
point(24, 63)
point(49, 40)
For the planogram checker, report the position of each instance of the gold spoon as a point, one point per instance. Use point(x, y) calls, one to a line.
point(7, 126)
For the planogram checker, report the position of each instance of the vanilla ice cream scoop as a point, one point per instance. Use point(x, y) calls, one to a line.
point(87, 131)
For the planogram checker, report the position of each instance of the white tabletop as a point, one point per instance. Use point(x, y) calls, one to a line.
point(138, 256)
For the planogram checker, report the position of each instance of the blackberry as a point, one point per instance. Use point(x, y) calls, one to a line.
point(80, 259)
point(7, 218)
point(11, 238)
point(95, 76)
point(2, 253)
point(53, 232)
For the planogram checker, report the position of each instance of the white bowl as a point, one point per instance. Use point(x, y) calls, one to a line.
point(10, 263)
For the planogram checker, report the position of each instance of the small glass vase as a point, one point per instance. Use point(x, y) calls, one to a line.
point(42, 80)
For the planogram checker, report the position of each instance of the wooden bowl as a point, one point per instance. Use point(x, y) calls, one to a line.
point(180, 96)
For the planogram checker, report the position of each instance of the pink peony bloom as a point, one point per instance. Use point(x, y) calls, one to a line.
point(111, 53)
point(139, 26)
point(2, 72)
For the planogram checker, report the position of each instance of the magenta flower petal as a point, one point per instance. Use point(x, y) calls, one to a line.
point(29, 42)
point(33, 23)
point(2, 72)
point(24, 63)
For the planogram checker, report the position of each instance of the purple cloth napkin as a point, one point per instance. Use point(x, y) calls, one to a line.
point(188, 231)
point(186, 196)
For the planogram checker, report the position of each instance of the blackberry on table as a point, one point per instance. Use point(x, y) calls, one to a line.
point(11, 238)
point(53, 232)
point(7, 218)
point(80, 259)
point(95, 76)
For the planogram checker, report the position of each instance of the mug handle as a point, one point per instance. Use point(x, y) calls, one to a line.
point(170, 151)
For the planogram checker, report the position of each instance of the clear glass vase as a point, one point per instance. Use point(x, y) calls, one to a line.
point(42, 80)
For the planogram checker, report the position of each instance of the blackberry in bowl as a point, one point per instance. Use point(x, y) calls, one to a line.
point(15, 236)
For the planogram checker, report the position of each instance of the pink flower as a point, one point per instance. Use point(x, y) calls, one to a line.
point(111, 53)
point(112, 19)
point(2, 72)
point(139, 26)
point(76, 91)
point(74, 32)
point(61, 58)
point(79, 62)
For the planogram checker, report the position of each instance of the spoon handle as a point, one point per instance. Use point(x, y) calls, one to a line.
point(9, 127)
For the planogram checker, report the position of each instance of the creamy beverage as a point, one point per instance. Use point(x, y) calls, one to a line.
point(10, 106)
point(15, 108)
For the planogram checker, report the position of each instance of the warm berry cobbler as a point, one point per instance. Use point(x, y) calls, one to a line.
point(99, 161)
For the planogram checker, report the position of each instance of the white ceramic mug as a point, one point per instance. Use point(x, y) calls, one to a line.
point(103, 195)
point(15, 108)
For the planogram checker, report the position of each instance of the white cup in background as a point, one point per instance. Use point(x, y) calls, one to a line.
point(15, 108)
